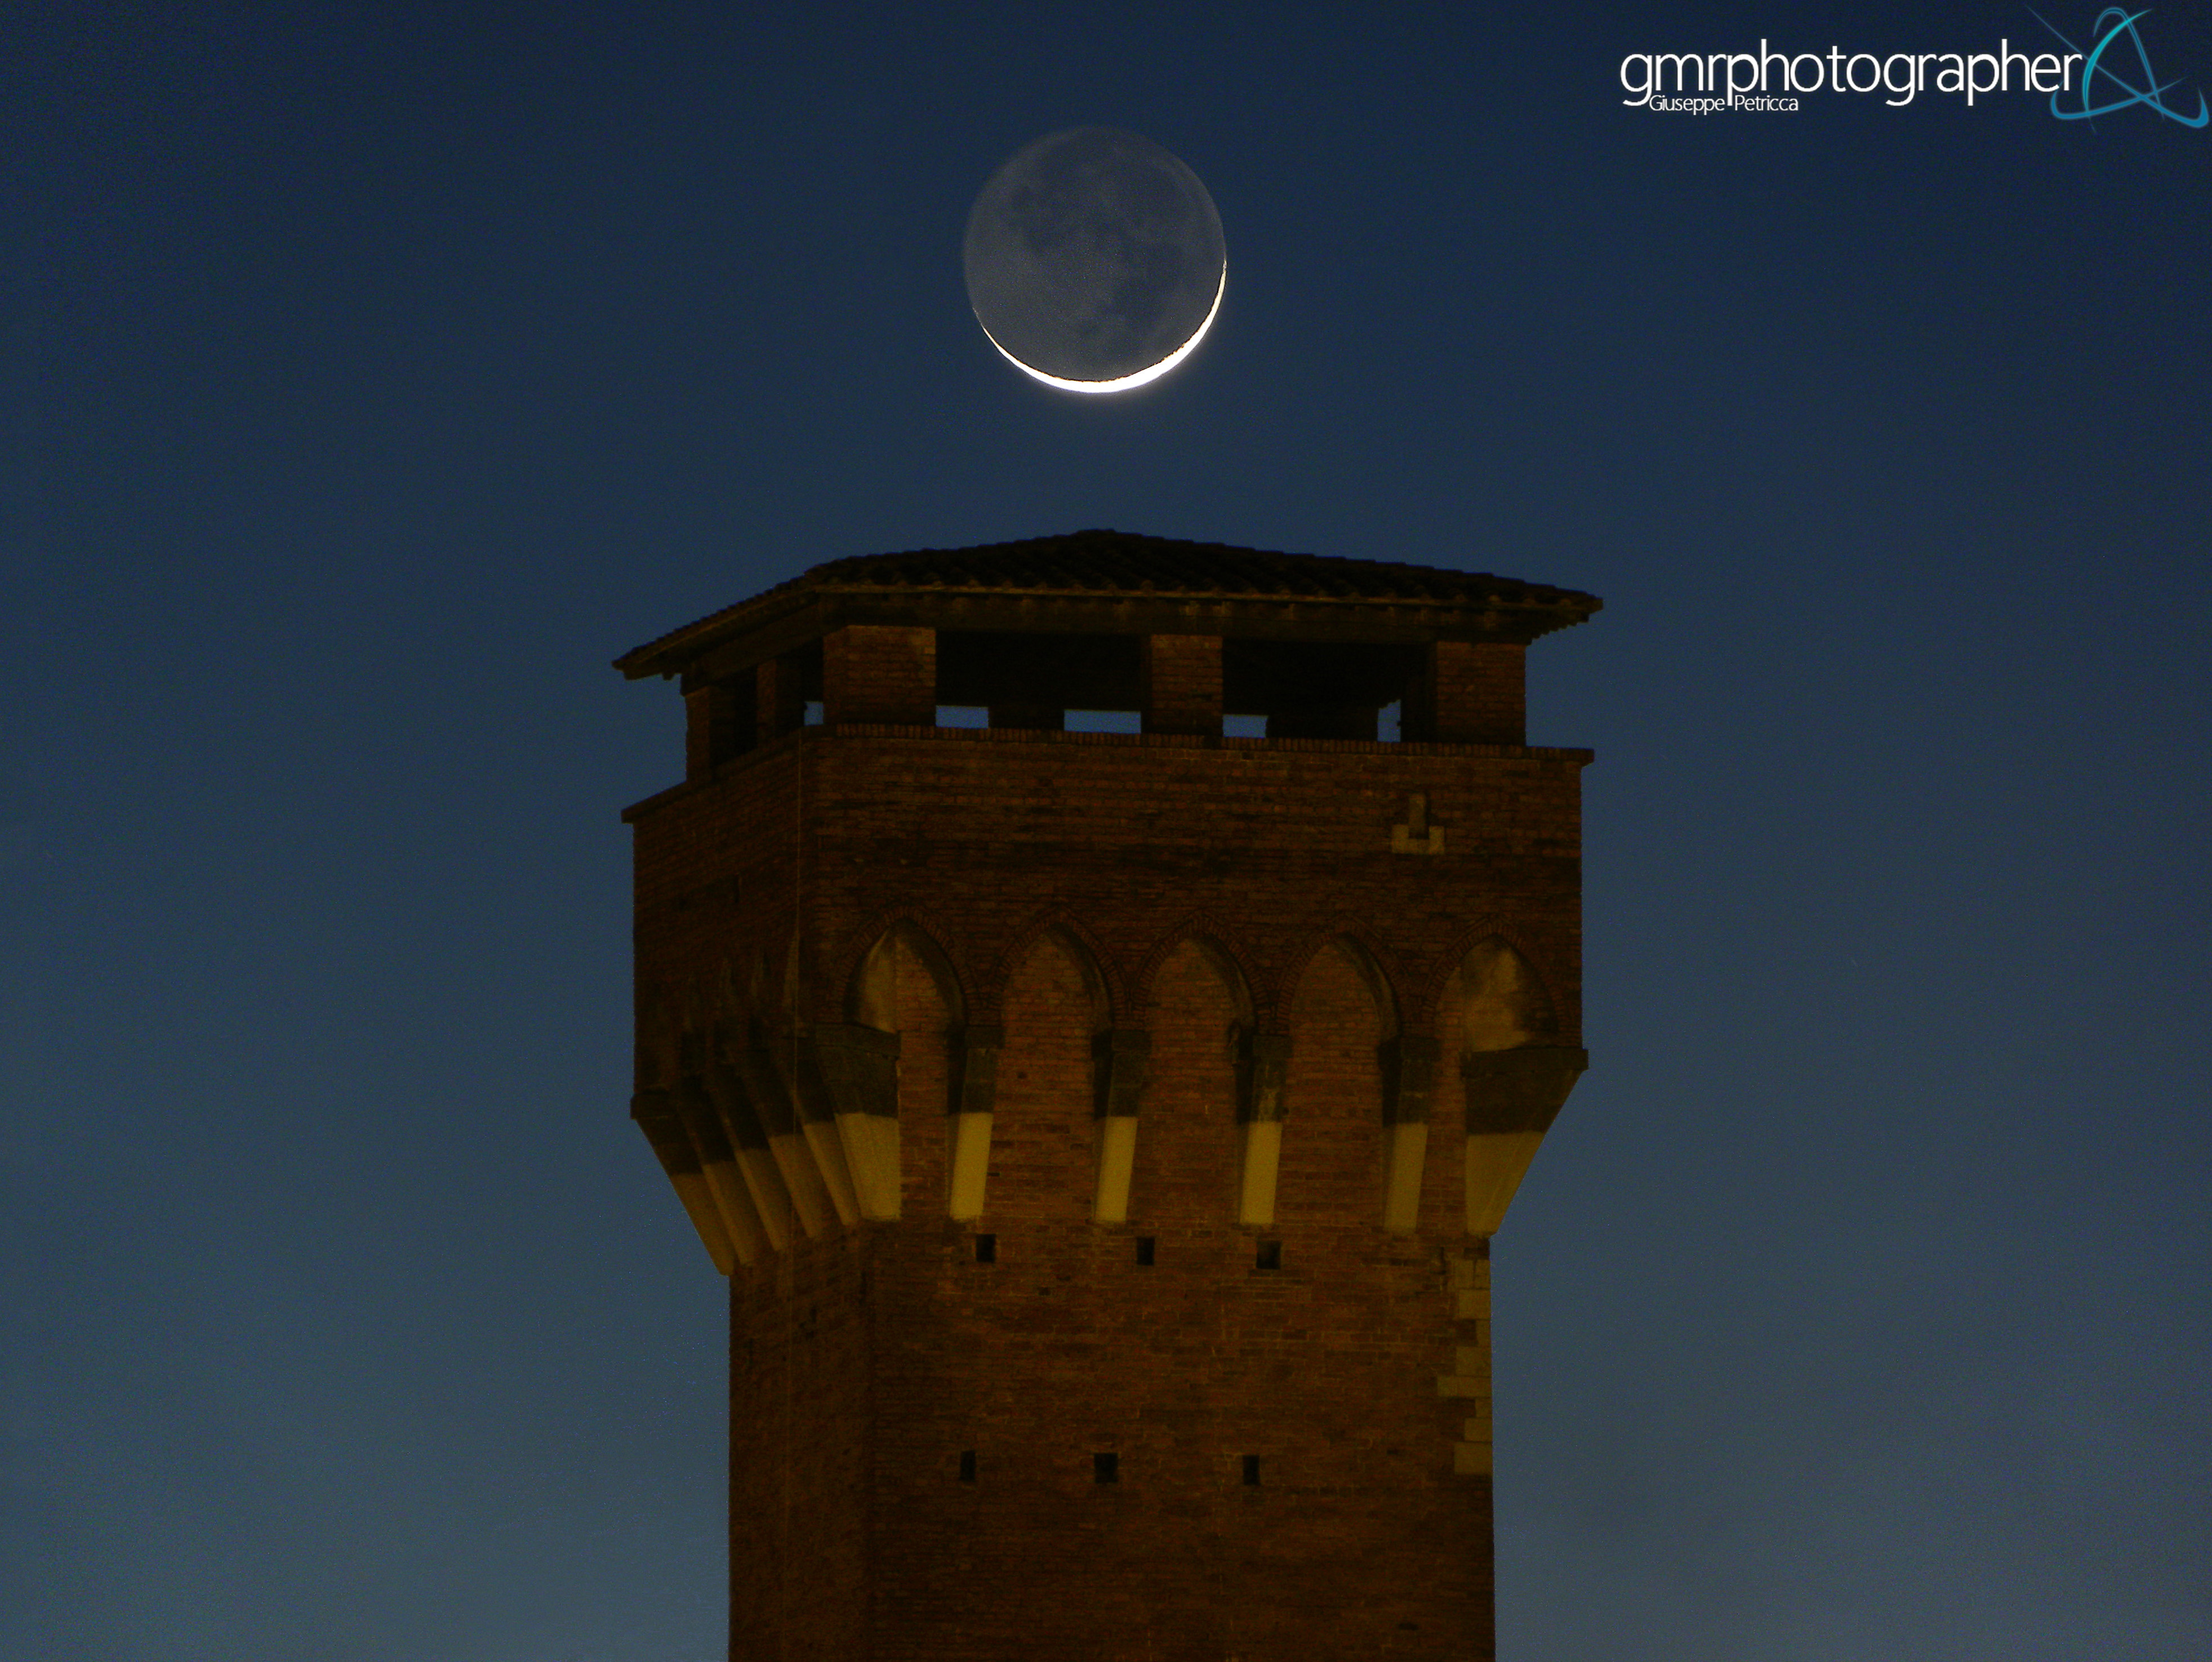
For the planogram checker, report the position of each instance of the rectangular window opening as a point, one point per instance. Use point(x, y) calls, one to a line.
point(1145, 1246)
point(1271, 1255)
point(1105, 720)
point(986, 1249)
point(814, 717)
point(1251, 1471)
point(967, 1465)
point(963, 716)
point(1390, 724)
point(1243, 726)
point(1106, 1468)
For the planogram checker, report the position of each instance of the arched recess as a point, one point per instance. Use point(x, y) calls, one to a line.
point(1102, 976)
point(888, 1065)
point(1025, 1150)
point(1509, 1073)
point(1503, 1003)
point(1369, 960)
point(1343, 1021)
point(881, 990)
point(1218, 948)
point(1187, 1167)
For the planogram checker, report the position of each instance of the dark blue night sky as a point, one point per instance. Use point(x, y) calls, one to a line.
point(370, 377)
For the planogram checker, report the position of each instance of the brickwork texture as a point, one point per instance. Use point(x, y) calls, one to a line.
point(1103, 1134)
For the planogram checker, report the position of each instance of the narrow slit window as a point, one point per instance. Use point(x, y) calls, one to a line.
point(1145, 1247)
point(1106, 1468)
point(1251, 1471)
point(986, 1249)
point(1271, 1255)
point(967, 1466)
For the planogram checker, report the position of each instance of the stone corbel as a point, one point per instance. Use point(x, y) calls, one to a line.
point(1263, 1063)
point(860, 1074)
point(1409, 1073)
point(1119, 1057)
point(975, 1092)
point(1512, 1098)
point(656, 1115)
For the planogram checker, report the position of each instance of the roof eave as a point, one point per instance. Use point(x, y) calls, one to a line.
point(1405, 617)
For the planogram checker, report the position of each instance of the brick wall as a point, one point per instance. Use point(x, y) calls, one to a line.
point(1202, 891)
point(1186, 1163)
point(875, 674)
point(1472, 692)
point(1182, 684)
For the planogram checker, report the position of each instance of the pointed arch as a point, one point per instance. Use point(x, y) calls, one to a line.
point(870, 978)
point(1036, 1145)
point(1378, 971)
point(1506, 1070)
point(1342, 1021)
point(1442, 983)
point(1202, 1014)
point(1500, 998)
point(886, 1066)
point(1224, 953)
point(1103, 973)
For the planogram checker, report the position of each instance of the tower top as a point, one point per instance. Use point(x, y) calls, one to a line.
point(1117, 583)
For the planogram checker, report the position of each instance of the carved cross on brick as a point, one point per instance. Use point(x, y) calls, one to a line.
point(1417, 835)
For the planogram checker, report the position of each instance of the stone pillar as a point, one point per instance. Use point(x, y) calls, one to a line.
point(1182, 684)
point(1471, 692)
point(876, 673)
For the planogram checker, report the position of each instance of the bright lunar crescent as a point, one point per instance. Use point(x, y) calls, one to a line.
point(1095, 260)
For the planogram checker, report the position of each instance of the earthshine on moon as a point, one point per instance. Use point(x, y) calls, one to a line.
point(1095, 260)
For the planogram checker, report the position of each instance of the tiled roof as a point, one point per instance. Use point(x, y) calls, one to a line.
point(1125, 564)
point(1121, 561)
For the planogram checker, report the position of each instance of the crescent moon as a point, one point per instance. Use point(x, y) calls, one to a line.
point(1086, 257)
point(1121, 384)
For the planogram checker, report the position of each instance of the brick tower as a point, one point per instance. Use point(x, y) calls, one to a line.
point(1103, 1118)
